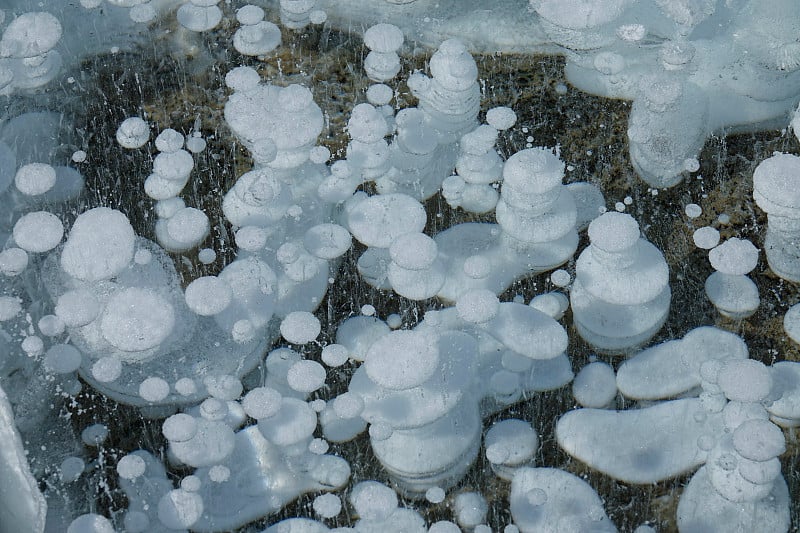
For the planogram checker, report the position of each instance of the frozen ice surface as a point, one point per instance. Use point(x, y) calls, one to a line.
point(22, 506)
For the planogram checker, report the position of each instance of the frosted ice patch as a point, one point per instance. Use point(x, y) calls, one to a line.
point(77, 307)
point(706, 237)
point(133, 133)
point(131, 466)
point(179, 428)
point(100, 245)
point(153, 389)
point(39, 231)
point(335, 355)
point(10, 306)
point(470, 509)
point(560, 278)
point(91, 523)
point(477, 306)
point(379, 220)
point(734, 256)
point(595, 385)
point(759, 440)
point(107, 369)
point(549, 500)
point(306, 376)
point(137, 319)
point(639, 445)
point(208, 295)
point(402, 359)
point(169, 140)
point(327, 505)
point(62, 359)
point(693, 210)
point(34, 179)
point(614, 232)
point(745, 380)
point(13, 261)
point(327, 241)
point(373, 501)
point(501, 118)
point(300, 327)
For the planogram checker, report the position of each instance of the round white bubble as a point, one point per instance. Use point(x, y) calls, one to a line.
point(300, 327)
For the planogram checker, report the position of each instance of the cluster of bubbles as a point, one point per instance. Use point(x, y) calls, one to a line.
point(106, 307)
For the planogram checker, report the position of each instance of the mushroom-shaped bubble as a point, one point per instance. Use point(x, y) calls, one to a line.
point(736, 257)
point(300, 327)
point(34, 179)
point(100, 245)
point(37, 232)
point(208, 295)
point(403, 359)
point(327, 241)
point(30, 34)
point(745, 380)
point(378, 220)
point(373, 500)
point(614, 232)
point(595, 385)
point(136, 320)
point(759, 440)
point(133, 133)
